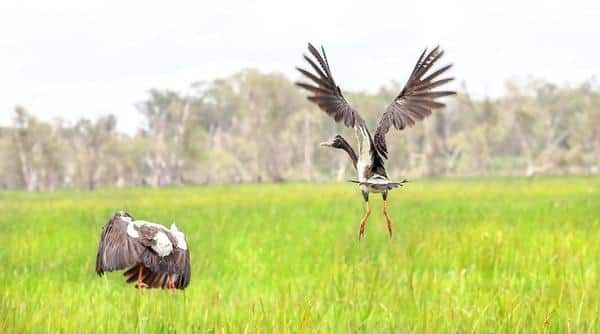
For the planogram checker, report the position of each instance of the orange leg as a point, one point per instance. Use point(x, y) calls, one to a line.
point(140, 284)
point(387, 217)
point(363, 222)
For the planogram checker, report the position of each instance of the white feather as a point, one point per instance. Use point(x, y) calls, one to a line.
point(364, 154)
point(139, 223)
point(163, 246)
point(181, 243)
point(131, 231)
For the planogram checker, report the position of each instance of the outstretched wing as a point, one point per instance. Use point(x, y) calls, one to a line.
point(416, 100)
point(325, 93)
point(117, 250)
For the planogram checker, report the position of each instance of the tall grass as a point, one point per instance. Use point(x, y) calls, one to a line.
point(491, 255)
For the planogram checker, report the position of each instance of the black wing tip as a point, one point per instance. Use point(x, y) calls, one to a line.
point(301, 84)
point(310, 46)
point(312, 49)
point(435, 52)
point(436, 48)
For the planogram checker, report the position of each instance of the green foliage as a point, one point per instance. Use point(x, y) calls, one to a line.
point(489, 255)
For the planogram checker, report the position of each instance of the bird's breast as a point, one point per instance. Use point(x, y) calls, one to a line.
point(362, 168)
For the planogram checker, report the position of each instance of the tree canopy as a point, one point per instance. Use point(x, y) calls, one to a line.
point(257, 127)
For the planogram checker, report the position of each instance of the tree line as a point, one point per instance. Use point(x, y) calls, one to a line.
point(258, 127)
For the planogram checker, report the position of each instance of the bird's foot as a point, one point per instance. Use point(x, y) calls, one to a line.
point(141, 286)
point(361, 232)
point(140, 282)
point(171, 284)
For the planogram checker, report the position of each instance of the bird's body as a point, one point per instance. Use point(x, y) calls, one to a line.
point(155, 256)
point(414, 103)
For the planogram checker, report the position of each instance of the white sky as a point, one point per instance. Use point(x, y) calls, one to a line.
point(71, 59)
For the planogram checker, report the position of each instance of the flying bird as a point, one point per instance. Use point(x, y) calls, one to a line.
point(154, 256)
point(414, 102)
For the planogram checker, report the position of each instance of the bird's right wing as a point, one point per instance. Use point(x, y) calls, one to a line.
point(325, 93)
point(416, 100)
point(181, 257)
point(117, 250)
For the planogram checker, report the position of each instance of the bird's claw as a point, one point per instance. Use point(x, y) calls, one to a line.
point(361, 233)
point(141, 285)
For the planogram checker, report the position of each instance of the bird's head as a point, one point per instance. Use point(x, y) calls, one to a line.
point(122, 214)
point(335, 142)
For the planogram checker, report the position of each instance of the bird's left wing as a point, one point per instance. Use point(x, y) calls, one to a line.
point(117, 250)
point(325, 93)
point(416, 100)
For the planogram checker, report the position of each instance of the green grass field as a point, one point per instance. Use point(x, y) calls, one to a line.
point(491, 255)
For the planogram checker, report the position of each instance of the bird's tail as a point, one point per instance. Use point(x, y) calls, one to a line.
point(156, 280)
point(150, 278)
point(397, 184)
point(387, 185)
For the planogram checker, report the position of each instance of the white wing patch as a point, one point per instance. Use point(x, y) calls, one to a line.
point(163, 246)
point(139, 223)
point(181, 243)
point(131, 231)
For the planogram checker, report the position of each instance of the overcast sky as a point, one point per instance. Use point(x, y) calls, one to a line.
point(71, 59)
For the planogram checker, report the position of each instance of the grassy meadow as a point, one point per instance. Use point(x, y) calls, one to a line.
point(476, 255)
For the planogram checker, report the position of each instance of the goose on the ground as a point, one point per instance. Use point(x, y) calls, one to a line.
point(154, 256)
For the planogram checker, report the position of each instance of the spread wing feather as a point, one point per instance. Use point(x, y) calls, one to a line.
point(325, 93)
point(416, 100)
point(117, 250)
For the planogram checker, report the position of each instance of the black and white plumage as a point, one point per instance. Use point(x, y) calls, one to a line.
point(154, 256)
point(415, 102)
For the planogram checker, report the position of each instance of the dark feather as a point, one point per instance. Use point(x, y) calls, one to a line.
point(314, 78)
point(416, 100)
point(117, 250)
point(325, 93)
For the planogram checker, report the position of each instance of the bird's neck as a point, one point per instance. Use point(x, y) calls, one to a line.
point(348, 148)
